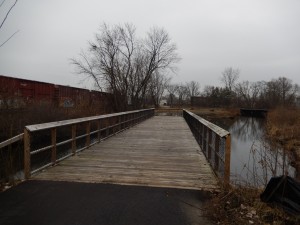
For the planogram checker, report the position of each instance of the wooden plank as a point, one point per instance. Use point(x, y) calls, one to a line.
point(160, 152)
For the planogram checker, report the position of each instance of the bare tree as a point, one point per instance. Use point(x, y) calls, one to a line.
point(281, 91)
point(230, 77)
point(120, 62)
point(248, 93)
point(5, 18)
point(157, 87)
point(193, 88)
point(183, 94)
point(172, 89)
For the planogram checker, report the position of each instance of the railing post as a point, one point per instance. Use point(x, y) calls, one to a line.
point(99, 131)
point(120, 123)
point(227, 159)
point(27, 162)
point(107, 124)
point(53, 143)
point(199, 134)
point(205, 141)
point(74, 139)
point(202, 135)
point(209, 145)
point(133, 119)
point(217, 147)
point(88, 132)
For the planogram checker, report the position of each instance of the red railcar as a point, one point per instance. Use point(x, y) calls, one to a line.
point(29, 91)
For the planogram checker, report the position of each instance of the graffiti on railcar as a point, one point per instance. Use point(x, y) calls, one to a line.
point(66, 103)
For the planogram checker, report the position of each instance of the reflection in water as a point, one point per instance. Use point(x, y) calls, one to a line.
point(254, 159)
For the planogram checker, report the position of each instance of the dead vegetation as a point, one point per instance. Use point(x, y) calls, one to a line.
point(283, 127)
point(216, 112)
point(241, 205)
point(206, 113)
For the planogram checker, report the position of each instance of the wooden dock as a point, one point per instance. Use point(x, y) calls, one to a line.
point(159, 152)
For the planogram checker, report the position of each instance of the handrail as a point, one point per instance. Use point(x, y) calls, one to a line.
point(45, 126)
point(111, 124)
point(214, 142)
point(11, 140)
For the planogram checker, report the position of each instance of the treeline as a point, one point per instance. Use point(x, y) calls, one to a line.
point(261, 94)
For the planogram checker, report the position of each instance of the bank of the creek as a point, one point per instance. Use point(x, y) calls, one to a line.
point(254, 157)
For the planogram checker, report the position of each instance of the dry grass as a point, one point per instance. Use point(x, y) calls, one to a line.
point(216, 112)
point(207, 112)
point(283, 125)
point(240, 205)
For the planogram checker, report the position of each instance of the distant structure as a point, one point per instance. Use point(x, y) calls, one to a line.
point(18, 93)
point(253, 112)
point(163, 102)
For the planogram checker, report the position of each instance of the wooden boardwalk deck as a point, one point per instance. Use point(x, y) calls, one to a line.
point(159, 152)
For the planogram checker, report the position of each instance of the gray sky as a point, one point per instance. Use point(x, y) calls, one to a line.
point(260, 37)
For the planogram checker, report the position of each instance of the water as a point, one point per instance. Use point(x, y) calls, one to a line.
point(254, 159)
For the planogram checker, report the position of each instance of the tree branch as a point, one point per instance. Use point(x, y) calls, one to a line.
point(7, 13)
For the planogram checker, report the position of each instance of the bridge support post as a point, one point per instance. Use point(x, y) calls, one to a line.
point(88, 132)
point(216, 156)
point(209, 145)
point(26, 154)
point(227, 160)
point(74, 139)
point(53, 142)
point(99, 131)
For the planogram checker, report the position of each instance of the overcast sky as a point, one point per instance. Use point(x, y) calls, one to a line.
point(260, 37)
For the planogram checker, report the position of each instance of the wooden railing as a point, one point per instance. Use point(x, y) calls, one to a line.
point(11, 159)
point(214, 142)
point(12, 140)
point(68, 137)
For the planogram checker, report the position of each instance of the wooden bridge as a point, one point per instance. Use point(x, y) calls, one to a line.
point(130, 148)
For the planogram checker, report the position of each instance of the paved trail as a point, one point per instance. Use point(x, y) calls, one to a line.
point(62, 203)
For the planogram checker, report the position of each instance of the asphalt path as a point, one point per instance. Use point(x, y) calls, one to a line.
point(70, 203)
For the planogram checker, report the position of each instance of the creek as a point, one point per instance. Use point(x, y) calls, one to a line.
point(254, 158)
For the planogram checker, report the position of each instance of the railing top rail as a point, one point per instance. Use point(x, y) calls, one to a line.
point(218, 130)
point(44, 126)
point(11, 140)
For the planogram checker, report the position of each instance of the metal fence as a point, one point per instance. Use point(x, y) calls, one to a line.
point(214, 142)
